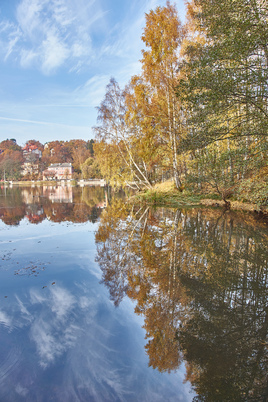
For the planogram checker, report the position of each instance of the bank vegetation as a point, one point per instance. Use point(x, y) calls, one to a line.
point(197, 113)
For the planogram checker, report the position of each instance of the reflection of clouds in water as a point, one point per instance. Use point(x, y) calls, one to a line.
point(90, 369)
point(21, 390)
point(61, 301)
point(5, 320)
point(24, 311)
point(84, 302)
point(46, 344)
point(51, 330)
point(36, 297)
point(50, 341)
point(89, 350)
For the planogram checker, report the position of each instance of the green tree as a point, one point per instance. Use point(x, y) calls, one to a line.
point(223, 87)
point(90, 169)
point(90, 147)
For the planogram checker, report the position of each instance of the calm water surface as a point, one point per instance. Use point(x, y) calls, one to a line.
point(102, 301)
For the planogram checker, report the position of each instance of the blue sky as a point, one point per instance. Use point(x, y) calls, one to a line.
point(56, 58)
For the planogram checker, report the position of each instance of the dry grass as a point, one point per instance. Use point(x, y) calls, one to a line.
point(166, 194)
point(165, 187)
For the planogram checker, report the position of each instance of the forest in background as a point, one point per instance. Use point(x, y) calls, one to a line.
point(197, 113)
point(29, 162)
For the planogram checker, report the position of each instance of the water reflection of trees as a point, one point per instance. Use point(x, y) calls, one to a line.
point(12, 208)
point(57, 204)
point(199, 278)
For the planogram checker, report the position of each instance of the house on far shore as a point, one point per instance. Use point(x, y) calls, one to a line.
point(28, 168)
point(58, 171)
point(31, 150)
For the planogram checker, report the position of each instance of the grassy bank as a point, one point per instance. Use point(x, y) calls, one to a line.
point(165, 194)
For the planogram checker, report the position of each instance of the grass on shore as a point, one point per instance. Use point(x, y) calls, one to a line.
point(166, 194)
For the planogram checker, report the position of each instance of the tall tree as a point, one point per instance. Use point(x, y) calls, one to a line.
point(162, 36)
point(145, 120)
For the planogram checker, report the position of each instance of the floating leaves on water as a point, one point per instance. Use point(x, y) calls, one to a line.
point(6, 256)
point(32, 269)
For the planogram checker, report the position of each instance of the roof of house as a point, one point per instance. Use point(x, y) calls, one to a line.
point(29, 147)
point(54, 165)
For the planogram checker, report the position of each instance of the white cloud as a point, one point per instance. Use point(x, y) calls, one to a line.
point(48, 34)
point(62, 14)
point(85, 42)
point(29, 17)
point(91, 92)
point(38, 122)
point(53, 52)
point(28, 57)
point(9, 37)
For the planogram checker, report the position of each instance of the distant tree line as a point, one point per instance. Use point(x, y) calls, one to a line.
point(14, 159)
point(198, 111)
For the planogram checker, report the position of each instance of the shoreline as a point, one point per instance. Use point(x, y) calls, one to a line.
point(172, 198)
point(70, 182)
point(162, 195)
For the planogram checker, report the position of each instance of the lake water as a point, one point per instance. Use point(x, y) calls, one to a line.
point(104, 301)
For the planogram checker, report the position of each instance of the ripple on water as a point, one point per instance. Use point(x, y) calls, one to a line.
point(14, 373)
point(10, 357)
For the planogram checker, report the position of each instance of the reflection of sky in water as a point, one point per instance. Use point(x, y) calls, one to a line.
point(61, 337)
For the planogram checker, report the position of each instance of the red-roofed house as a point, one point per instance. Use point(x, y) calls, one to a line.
point(31, 149)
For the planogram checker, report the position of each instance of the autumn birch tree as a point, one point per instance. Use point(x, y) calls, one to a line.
point(114, 130)
point(162, 36)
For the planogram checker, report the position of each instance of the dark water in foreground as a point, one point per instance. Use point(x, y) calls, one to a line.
point(112, 302)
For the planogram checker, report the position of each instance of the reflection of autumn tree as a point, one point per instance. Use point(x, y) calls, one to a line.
point(113, 257)
point(12, 207)
point(94, 196)
point(129, 244)
point(199, 278)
